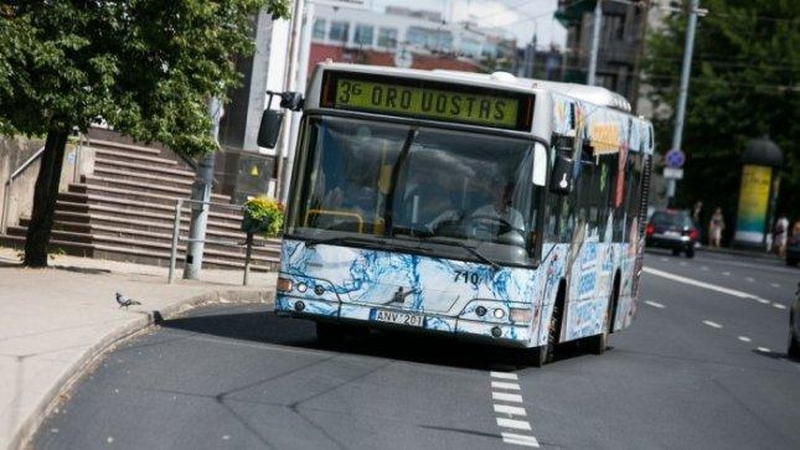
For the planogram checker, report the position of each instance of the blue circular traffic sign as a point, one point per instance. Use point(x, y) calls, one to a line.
point(675, 158)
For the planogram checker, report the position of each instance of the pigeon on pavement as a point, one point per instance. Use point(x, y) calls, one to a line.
point(125, 301)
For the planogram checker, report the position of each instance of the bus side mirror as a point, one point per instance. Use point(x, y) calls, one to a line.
point(270, 128)
point(561, 181)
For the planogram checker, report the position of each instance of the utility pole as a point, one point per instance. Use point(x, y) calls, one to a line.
point(684, 88)
point(201, 196)
point(598, 21)
point(304, 52)
point(289, 83)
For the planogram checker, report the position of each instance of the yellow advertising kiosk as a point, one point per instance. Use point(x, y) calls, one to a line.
point(761, 163)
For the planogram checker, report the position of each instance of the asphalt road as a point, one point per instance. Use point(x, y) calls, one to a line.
point(703, 366)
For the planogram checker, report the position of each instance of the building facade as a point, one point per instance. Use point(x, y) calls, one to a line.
point(621, 43)
point(403, 37)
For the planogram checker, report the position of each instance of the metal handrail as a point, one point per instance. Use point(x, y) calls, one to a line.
point(7, 192)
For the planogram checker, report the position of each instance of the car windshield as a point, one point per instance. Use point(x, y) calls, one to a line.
point(405, 183)
point(678, 219)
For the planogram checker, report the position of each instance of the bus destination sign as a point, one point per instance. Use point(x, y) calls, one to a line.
point(429, 100)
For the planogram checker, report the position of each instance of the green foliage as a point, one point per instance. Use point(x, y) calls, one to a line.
point(744, 84)
point(264, 214)
point(147, 67)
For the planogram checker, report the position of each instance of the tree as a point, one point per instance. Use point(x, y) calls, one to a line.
point(147, 67)
point(744, 84)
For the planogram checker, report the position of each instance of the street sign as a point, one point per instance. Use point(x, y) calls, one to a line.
point(675, 158)
point(673, 173)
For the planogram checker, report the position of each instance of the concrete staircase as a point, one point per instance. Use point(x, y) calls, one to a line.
point(123, 209)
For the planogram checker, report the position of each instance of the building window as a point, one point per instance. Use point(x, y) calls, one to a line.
point(339, 31)
point(319, 30)
point(429, 38)
point(364, 34)
point(613, 27)
point(387, 37)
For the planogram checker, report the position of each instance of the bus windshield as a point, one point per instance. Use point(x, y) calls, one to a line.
point(384, 180)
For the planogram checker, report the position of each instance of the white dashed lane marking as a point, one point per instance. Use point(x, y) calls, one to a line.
point(511, 417)
point(775, 285)
point(506, 397)
point(505, 385)
point(745, 339)
point(712, 324)
point(750, 279)
point(504, 375)
point(655, 304)
point(727, 274)
point(779, 306)
point(764, 350)
point(513, 424)
point(520, 439)
point(510, 410)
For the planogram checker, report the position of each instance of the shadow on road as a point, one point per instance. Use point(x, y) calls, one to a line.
point(257, 324)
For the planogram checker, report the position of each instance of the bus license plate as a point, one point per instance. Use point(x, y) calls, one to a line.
point(400, 318)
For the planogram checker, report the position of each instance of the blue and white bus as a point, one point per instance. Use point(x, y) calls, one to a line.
point(486, 207)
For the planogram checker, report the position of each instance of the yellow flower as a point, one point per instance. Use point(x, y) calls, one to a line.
point(263, 214)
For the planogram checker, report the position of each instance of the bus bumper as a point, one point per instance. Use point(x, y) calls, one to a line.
point(467, 326)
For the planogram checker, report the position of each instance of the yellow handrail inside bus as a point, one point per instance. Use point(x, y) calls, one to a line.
point(330, 212)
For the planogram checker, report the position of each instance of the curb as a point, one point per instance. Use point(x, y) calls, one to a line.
point(21, 438)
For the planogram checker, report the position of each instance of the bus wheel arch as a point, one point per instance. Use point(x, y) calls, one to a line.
point(599, 343)
point(544, 354)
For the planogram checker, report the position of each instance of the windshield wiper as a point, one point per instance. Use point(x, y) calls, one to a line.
point(480, 256)
point(378, 244)
point(471, 250)
point(311, 243)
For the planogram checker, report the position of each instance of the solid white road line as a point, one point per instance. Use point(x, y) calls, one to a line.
point(763, 301)
point(504, 385)
point(703, 284)
point(745, 339)
point(520, 439)
point(504, 375)
point(510, 410)
point(712, 324)
point(655, 304)
point(506, 397)
point(513, 424)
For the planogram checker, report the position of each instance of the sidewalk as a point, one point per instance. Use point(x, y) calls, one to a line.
point(55, 321)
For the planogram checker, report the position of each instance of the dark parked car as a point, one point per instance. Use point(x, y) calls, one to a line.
point(672, 229)
point(794, 326)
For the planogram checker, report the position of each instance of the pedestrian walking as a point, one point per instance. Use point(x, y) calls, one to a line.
point(780, 234)
point(697, 218)
point(715, 227)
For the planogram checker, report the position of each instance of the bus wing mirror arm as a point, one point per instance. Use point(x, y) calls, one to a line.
point(561, 180)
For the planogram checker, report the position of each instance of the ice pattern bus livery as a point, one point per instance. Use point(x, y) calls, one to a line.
point(504, 210)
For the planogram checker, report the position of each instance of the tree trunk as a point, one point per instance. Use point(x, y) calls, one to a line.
point(44, 199)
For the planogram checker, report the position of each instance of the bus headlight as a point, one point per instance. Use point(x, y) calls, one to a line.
point(499, 313)
point(522, 315)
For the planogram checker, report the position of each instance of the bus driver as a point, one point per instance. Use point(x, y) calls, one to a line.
point(498, 218)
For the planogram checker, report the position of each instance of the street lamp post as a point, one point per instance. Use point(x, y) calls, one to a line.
point(680, 112)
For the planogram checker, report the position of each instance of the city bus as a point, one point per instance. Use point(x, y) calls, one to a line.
point(480, 206)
